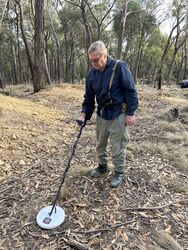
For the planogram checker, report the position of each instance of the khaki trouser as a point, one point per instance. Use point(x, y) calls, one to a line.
point(117, 132)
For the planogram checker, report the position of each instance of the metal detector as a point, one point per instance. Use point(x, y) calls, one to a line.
point(53, 216)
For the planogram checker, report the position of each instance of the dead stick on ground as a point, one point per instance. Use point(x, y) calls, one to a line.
point(154, 208)
point(85, 188)
point(5, 189)
point(76, 244)
point(97, 230)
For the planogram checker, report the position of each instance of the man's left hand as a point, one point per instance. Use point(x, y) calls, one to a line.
point(130, 120)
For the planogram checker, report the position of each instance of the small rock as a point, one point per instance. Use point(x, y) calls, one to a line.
point(5, 127)
point(7, 167)
point(53, 150)
point(1, 163)
point(14, 136)
point(22, 163)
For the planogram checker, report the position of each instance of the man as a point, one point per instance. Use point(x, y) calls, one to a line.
point(117, 101)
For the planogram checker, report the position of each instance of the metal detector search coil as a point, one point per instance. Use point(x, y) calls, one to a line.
point(53, 216)
point(45, 221)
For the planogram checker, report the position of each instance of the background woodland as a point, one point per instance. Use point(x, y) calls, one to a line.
point(44, 42)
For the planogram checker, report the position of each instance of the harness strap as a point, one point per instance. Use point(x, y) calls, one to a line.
point(122, 105)
point(112, 77)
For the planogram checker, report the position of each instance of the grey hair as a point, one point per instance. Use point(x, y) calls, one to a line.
point(98, 46)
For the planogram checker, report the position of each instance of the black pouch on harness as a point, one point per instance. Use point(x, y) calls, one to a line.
point(106, 102)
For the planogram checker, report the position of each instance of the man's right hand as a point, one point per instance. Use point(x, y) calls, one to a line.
point(81, 120)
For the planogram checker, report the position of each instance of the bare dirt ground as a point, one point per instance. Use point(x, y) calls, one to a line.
point(149, 211)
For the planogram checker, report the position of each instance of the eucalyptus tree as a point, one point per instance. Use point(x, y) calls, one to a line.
point(18, 32)
point(182, 15)
point(82, 7)
point(96, 16)
point(41, 76)
point(24, 37)
point(52, 37)
point(134, 34)
point(148, 24)
point(3, 12)
point(2, 9)
point(180, 36)
point(126, 8)
point(11, 70)
point(2, 62)
point(151, 56)
point(126, 49)
point(102, 13)
point(123, 14)
point(185, 57)
point(72, 39)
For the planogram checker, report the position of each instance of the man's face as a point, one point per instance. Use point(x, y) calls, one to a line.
point(98, 60)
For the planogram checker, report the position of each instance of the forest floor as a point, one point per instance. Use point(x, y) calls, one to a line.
point(148, 212)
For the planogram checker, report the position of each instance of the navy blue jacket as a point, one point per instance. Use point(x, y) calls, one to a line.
point(122, 91)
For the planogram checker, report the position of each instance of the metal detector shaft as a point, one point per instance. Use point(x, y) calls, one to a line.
point(66, 170)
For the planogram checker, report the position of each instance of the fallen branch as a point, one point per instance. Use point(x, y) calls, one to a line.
point(7, 188)
point(105, 229)
point(85, 188)
point(97, 230)
point(76, 244)
point(154, 208)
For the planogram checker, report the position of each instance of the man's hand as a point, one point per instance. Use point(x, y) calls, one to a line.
point(81, 120)
point(130, 120)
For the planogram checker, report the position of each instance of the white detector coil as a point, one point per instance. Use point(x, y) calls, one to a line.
point(45, 221)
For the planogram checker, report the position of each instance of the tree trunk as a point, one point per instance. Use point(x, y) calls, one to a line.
point(179, 69)
point(40, 76)
point(185, 75)
point(87, 28)
point(58, 47)
point(166, 49)
point(73, 59)
point(177, 46)
point(25, 39)
point(18, 46)
point(3, 13)
point(46, 69)
point(2, 85)
point(122, 31)
point(14, 63)
point(66, 58)
point(176, 49)
point(140, 48)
